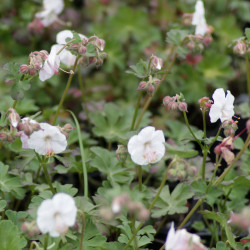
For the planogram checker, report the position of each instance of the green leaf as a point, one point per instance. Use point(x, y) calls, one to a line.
point(181, 151)
point(140, 70)
point(67, 188)
point(247, 32)
point(221, 246)
point(3, 204)
point(8, 183)
point(90, 50)
point(172, 203)
point(175, 36)
point(143, 237)
point(10, 237)
point(222, 220)
point(106, 162)
point(17, 92)
point(16, 217)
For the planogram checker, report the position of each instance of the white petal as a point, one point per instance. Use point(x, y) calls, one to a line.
point(229, 99)
point(62, 35)
point(67, 58)
point(146, 133)
point(158, 136)
point(219, 96)
point(134, 144)
point(54, 5)
point(215, 113)
point(138, 157)
point(170, 238)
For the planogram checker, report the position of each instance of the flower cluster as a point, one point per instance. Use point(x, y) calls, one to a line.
point(55, 215)
point(147, 147)
point(136, 208)
point(175, 102)
point(150, 85)
point(182, 240)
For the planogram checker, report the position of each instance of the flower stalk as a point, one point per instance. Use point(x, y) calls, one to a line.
point(83, 226)
point(248, 77)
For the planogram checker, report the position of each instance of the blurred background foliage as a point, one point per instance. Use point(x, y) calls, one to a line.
point(132, 29)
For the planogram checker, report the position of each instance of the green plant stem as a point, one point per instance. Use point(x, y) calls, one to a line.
point(45, 170)
point(248, 77)
point(84, 167)
point(147, 103)
point(14, 104)
point(190, 130)
point(133, 231)
point(65, 92)
point(152, 204)
point(140, 177)
point(204, 123)
point(83, 94)
point(161, 224)
point(217, 164)
point(65, 46)
point(205, 152)
point(45, 243)
point(217, 182)
point(83, 226)
point(34, 243)
point(136, 110)
point(221, 178)
point(215, 138)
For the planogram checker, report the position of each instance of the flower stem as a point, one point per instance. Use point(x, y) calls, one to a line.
point(221, 178)
point(45, 242)
point(133, 231)
point(190, 130)
point(152, 204)
point(140, 177)
point(217, 164)
point(136, 110)
point(83, 226)
point(65, 92)
point(65, 46)
point(34, 243)
point(83, 95)
point(147, 103)
point(48, 178)
point(14, 104)
point(248, 77)
point(205, 152)
point(204, 123)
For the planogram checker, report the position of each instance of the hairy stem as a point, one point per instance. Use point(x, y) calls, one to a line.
point(136, 110)
point(140, 177)
point(83, 226)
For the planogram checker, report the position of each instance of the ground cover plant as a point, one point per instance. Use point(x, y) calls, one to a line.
point(125, 124)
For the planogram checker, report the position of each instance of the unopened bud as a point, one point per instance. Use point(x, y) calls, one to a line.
point(14, 117)
point(100, 43)
point(121, 153)
point(248, 126)
point(167, 100)
point(173, 105)
point(143, 215)
point(106, 213)
point(82, 50)
point(36, 26)
point(228, 155)
point(205, 103)
point(3, 136)
point(207, 40)
point(151, 89)
point(240, 48)
point(24, 68)
point(44, 54)
point(187, 19)
point(183, 106)
point(217, 150)
point(142, 85)
point(156, 62)
point(229, 132)
point(32, 71)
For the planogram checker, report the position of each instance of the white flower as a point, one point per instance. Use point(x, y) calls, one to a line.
point(47, 141)
point(66, 57)
point(51, 64)
point(222, 107)
point(199, 19)
point(55, 215)
point(147, 147)
point(52, 8)
point(182, 240)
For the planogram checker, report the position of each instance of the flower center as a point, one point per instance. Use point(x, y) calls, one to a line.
point(61, 227)
point(49, 151)
point(149, 154)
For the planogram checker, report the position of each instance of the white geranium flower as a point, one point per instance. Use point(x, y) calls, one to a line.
point(47, 141)
point(51, 64)
point(51, 9)
point(223, 107)
point(66, 57)
point(55, 215)
point(182, 240)
point(199, 19)
point(147, 147)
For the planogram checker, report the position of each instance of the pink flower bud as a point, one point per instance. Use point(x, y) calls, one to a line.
point(240, 48)
point(142, 85)
point(24, 68)
point(121, 153)
point(167, 100)
point(183, 106)
point(3, 136)
point(205, 103)
point(227, 155)
point(100, 43)
point(82, 50)
point(156, 62)
point(187, 19)
point(14, 117)
point(248, 126)
point(151, 89)
point(32, 71)
point(217, 150)
point(173, 105)
point(207, 40)
point(36, 26)
point(44, 54)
